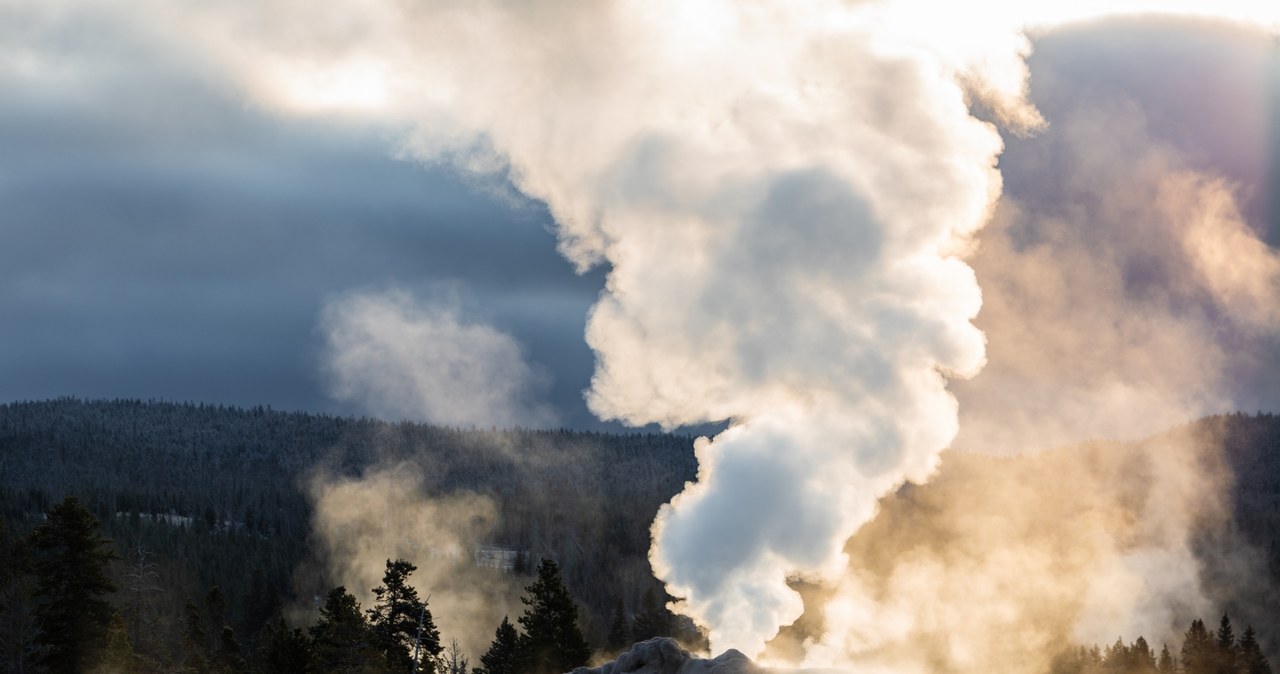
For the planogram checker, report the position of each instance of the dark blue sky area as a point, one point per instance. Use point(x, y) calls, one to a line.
point(161, 239)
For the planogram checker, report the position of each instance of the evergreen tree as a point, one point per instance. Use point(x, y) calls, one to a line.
point(118, 656)
point(18, 645)
point(261, 603)
point(1224, 655)
point(1197, 649)
point(552, 643)
point(1251, 660)
point(69, 558)
point(1141, 659)
point(654, 620)
point(500, 658)
point(341, 639)
point(227, 657)
point(1116, 658)
point(215, 614)
point(619, 631)
point(281, 649)
point(1166, 663)
point(395, 618)
point(195, 652)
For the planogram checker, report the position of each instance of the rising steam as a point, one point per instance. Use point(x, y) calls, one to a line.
point(404, 359)
point(361, 522)
point(784, 194)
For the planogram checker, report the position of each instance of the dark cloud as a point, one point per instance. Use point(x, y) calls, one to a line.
point(164, 239)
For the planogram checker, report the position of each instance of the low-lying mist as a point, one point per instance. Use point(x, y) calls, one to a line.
point(998, 564)
point(360, 523)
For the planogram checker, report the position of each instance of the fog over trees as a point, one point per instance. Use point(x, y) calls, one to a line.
point(156, 537)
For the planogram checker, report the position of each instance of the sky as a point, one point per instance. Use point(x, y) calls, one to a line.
point(167, 238)
point(169, 234)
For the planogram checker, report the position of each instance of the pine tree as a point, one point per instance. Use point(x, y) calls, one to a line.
point(18, 645)
point(219, 646)
point(1251, 660)
point(1224, 656)
point(619, 630)
point(227, 657)
point(341, 639)
point(281, 649)
point(1117, 657)
point(395, 618)
point(118, 655)
point(654, 620)
point(1166, 663)
point(1141, 659)
point(1197, 649)
point(69, 558)
point(500, 658)
point(552, 643)
point(195, 652)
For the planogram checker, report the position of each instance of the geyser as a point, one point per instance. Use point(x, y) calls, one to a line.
point(662, 655)
point(784, 194)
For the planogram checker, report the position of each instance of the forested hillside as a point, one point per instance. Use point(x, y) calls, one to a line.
point(208, 511)
point(202, 496)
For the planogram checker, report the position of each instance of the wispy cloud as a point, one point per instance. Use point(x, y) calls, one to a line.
point(395, 356)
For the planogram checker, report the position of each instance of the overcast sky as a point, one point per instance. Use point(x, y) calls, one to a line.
point(163, 235)
point(165, 238)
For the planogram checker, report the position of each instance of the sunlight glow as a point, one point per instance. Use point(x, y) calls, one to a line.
point(354, 86)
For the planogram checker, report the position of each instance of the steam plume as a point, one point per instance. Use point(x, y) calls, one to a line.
point(1127, 287)
point(782, 192)
point(361, 522)
point(399, 358)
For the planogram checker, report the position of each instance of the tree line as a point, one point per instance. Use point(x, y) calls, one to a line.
point(1202, 652)
point(211, 524)
point(209, 495)
point(71, 624)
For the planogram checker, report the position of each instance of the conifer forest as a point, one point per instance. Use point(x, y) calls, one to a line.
point(161, 537)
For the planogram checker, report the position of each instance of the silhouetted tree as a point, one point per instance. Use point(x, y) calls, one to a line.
point(18, 644)
point(500, 658)
point(1141, 660)
point(1251, 659)
point(653, 620)
point(195, 650)
point(1116, 658)
point(453, 660)
point(69, 558)
point(1197, 649)
point(552, 643)
point(227, 657)
point(1224, 652)
point(395, 618)
point(281, 649)
point(619, 630)
point(341, 640)
point(1166, 663)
